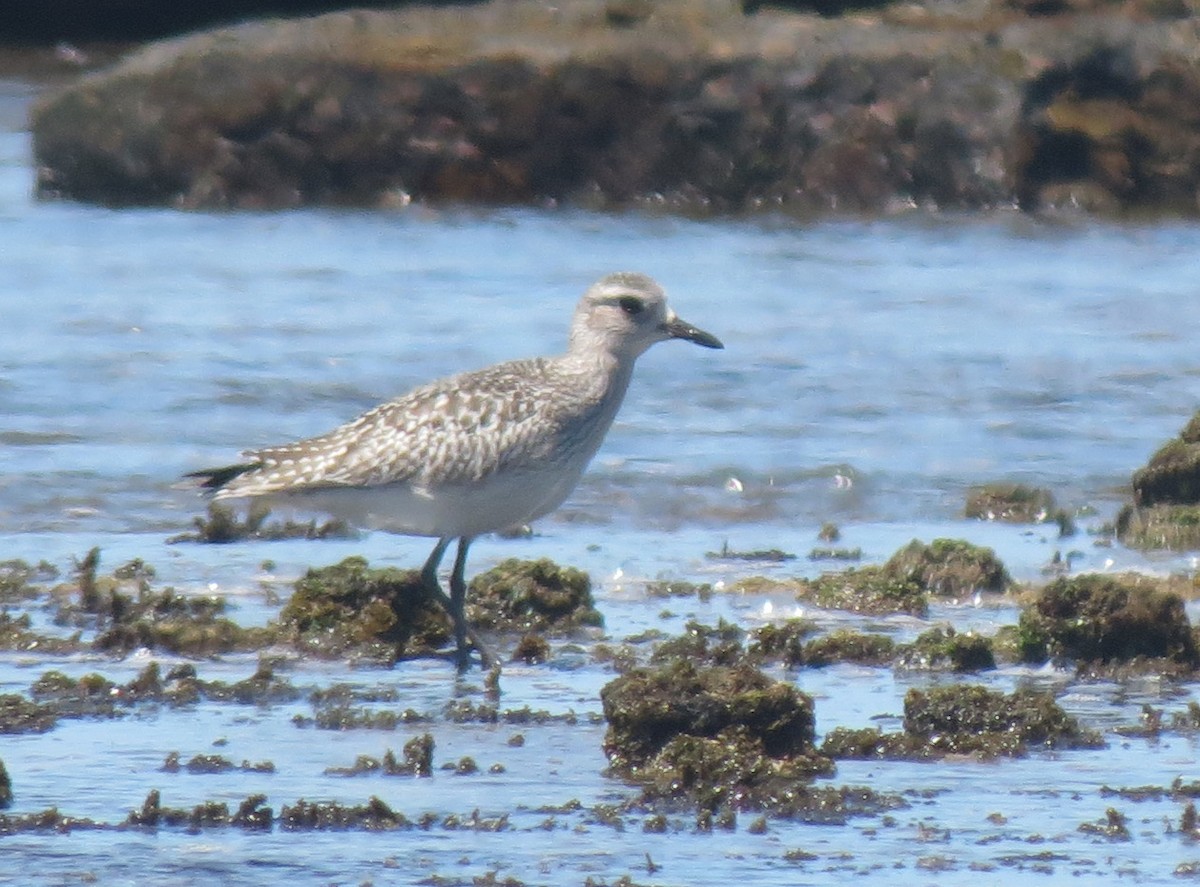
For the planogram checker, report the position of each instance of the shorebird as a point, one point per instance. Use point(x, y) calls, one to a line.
point(473, 453)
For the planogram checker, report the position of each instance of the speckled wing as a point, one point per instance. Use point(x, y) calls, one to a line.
point(456, 430)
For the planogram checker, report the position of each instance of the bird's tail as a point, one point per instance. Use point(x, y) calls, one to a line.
point(210, 480)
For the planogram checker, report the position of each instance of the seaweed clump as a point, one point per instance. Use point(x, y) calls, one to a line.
point(967, 719)
point(950, 567)
point(1106, 620)
point(351, 608)
point(718, 736)
point(870, 590)
point(943, 647)
point(127, 613)
point(221, 525)
point(1166, 496)
point(532, 595)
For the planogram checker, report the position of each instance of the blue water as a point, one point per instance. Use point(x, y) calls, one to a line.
point(873, 371)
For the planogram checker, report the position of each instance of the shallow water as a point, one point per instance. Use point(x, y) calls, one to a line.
point(873, 371)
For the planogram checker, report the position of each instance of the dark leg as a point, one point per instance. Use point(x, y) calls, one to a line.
point(453, 604)
point(458, 600)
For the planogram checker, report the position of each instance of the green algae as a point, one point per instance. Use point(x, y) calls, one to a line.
point(126, 613)
point(1108, 619)
point(532, 595)
point(22, 581)
point(949, 567)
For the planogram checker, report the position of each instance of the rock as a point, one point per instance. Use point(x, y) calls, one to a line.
point(1172, 476)
point(1112, 121)
point(1166, 496)
point(717, 736)
point(1108, 619)
point(1012, 503)
point(950, 567)
point(678, 104)
point(648, 708)
point(520, 596)
point(351, 609)
point(966, 719)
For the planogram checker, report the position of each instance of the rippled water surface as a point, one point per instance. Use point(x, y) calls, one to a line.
point(873, 371)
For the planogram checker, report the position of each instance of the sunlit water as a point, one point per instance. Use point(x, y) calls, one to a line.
point(873, 372)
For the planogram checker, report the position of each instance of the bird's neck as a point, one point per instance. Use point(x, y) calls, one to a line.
point(606, 374)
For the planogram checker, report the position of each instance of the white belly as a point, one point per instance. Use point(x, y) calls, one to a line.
point(501, 501)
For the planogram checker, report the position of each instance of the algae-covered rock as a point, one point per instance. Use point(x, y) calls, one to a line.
point(845, 645)
point(6, 792)
point(1107, 619)
point(949, 567)
point(783, 641)
point(717, 736)
point(871, 590)
point(127, 613)
point(1111, 127)
point(523, 596)
point(222, 525)
point(647, 708)
point(970, 718)
point(374, 815)
point(352, 609)
point(1012, 503)
point(1172, 476)
point(1169, 527)
point(19, 715)
point(719, 644)
point(967, 719)
point(943, 647)
point(1166, 496)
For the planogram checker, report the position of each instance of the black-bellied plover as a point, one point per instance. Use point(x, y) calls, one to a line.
point(477, 452)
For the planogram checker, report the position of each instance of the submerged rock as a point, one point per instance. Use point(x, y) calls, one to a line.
point(1108, 619)
point(1012, 503)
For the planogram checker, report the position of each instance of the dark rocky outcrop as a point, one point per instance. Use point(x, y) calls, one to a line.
point(691, 106)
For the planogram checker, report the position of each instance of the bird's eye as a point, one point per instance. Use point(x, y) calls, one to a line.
point(631, 305)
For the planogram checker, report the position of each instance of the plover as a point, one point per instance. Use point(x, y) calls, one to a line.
point(473, 453)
